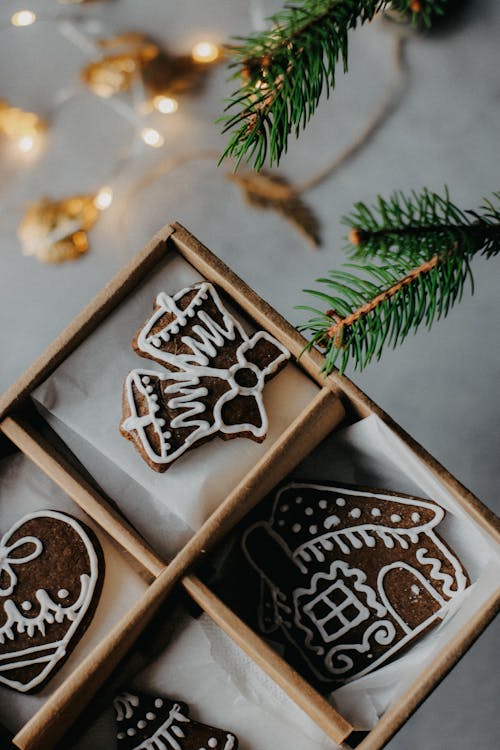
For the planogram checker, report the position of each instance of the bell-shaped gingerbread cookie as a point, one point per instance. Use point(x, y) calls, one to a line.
point(213, 380)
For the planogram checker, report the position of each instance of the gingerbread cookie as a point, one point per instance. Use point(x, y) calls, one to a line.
point(51, 574)
point(213, 381)
point(350, 577)
point(146, 722)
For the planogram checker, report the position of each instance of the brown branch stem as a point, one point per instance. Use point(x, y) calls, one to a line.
point(336, 330)
point(477, 230)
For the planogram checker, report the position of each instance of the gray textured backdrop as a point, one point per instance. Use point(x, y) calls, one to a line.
point(442, 386)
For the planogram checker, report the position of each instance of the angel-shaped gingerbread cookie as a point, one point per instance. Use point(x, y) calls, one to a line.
point(213, 379)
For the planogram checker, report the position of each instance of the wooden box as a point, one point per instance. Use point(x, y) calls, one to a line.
point(336, 399)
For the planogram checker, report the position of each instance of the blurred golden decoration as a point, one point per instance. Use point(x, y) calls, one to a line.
point(125, 55)
point(79, 2)
point(25, 129)
point(264, 190)
point(128, 58)
point(56, 231)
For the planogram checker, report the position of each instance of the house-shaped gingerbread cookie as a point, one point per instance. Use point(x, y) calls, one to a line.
point(350, 577)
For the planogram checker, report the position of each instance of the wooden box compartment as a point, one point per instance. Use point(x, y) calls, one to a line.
point(336, 399)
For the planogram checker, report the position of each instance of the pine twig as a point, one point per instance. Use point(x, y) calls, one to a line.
point(423, 274)
point(336, 331)
point(283, 71)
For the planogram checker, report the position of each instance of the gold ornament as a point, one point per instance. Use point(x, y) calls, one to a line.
point(78, 2)
point(25, 129)
point(128, 58)
point(117, 70)
point(55, 231)
point(264, 190)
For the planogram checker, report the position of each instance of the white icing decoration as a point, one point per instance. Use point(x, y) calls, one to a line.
point(340, 502)
point(63, 593)
point(296, 528)
point(308, 511)
point(169, 734)
point(331, 521)
point(142, 724)
point(313, 529)
point(212, 742)
point(150, 716)
point(355, 513)
point(33, 548)
point(322, 504)
point(447, 581)
point(371, 602)
point(284, 508)
point(15, 622)
point(26, 606)
point(131, 731)
point(185, 392)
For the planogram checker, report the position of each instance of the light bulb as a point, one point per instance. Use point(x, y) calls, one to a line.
point(152, 137)
point(26, 143)
point(165, 104)
point(205, 52)
point(104, 198)
point(23, 18)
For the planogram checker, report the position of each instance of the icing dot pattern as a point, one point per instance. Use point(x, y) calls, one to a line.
point(168, 726)
point(305, 515)
point(370, 564)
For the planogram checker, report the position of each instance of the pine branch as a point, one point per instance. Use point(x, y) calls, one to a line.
point(283, 71)
point(418, 225)
point(425, 244)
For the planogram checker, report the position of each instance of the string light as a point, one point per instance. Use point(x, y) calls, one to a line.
point(104, 198)
point(152, 137)
point(26, 143)
point(23, 18)
point(205, 52)
point(165, 104)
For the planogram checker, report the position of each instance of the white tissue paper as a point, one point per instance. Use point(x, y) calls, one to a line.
point(201, 665)
point(227, 683)
point(24, 489)
point(369, 453)
point(186, 670)
point(82, 401)
point(85, 392)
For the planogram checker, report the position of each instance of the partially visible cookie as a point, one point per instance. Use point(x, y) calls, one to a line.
point(147, 722)
point(51, 575)
point(213, 380)
point(350, 577)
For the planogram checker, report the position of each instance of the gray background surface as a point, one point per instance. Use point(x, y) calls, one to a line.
point(441, 386)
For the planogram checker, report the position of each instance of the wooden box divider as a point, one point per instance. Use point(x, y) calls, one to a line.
point(56, 715)
point(325, 411)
